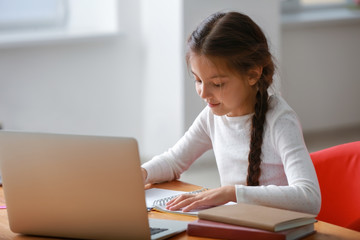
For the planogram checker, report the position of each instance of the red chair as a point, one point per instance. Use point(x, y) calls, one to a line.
point(338, 172)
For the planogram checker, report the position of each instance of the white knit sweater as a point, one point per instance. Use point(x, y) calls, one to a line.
point(288, 179)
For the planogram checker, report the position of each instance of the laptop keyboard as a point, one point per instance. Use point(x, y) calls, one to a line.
point(157, 230)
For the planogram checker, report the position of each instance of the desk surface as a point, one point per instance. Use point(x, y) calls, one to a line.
point(324, 230)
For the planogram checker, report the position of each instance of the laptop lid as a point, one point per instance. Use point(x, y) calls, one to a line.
point(73, 186)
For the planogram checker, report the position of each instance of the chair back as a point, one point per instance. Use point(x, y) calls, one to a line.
point(338, 172)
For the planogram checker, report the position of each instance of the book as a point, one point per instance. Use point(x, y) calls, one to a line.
point(157, 198)
point(211, 229)
point(256, 216)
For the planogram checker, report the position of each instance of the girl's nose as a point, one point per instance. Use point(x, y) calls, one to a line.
point(203, 92)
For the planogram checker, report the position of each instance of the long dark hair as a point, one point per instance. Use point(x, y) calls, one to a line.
point(237, 41)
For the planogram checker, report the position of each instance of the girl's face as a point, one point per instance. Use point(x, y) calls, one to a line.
point(225, 92)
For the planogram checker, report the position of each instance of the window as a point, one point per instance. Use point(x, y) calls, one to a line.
point(27, 22)
point(303, 13)
point(322, 2)
point(20, 14)
point(298, 5)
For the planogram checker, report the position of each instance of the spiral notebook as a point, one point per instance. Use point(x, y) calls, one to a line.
point(157, 198)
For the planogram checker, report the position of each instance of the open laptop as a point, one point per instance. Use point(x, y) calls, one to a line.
point(73, 186)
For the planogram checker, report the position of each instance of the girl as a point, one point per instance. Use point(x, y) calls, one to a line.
point(256, 138)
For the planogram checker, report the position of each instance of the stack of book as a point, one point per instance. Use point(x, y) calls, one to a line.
point(247, 221)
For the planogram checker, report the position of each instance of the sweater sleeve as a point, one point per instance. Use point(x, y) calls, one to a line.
point(169, 165)
point(302, 193)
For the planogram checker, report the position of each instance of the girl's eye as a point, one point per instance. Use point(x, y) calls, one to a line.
point(198, 81)
point(218, 84)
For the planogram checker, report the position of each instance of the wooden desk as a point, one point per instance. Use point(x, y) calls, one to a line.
point(324, 230)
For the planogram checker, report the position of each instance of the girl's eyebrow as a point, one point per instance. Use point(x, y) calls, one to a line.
point(214, 76)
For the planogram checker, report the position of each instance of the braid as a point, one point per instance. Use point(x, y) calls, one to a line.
point(257, 130)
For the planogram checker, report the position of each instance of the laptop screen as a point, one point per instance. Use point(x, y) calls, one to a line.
point(73, 186)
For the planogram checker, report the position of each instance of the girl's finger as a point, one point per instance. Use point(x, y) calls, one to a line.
point(178, 199)
point(181, 203)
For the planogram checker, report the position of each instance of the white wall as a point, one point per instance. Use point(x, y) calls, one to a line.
point(320, 74)
point(87, 87)
point(163, 74)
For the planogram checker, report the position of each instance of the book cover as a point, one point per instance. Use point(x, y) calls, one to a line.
point(211, 229)
point(256, 216)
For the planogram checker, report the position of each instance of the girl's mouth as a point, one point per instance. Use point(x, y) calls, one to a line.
point(212, 105)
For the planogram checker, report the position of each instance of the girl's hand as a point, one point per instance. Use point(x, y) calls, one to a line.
point(210, 198)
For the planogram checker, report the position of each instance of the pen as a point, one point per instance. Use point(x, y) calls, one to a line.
point(3, 207)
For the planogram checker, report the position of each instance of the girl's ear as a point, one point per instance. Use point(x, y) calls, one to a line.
point(254, 75)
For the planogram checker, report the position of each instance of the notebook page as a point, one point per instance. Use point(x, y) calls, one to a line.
point(154, 194)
